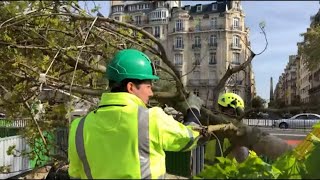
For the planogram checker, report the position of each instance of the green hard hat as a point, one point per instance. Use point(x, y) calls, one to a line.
point(130, 64)
point(231, 99)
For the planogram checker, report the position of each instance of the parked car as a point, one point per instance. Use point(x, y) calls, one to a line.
point(303, 120)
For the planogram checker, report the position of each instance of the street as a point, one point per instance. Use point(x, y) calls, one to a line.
point(292, 136)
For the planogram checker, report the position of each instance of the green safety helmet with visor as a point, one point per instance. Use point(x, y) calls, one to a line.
point(232, 100)
point(131, 64)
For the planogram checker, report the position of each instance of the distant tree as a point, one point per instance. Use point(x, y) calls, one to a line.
point(310, 48)
point(258, 102)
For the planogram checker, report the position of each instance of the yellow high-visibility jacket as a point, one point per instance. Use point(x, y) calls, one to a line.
point(125, 139)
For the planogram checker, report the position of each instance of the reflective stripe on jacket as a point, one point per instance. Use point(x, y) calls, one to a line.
point(124, 139)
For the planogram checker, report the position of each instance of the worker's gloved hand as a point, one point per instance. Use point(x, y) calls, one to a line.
point(230, 126)
point(193, 101)
point(170, 111)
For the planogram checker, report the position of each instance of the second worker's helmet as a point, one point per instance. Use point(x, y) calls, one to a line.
point(231, 100)
point(130, 64)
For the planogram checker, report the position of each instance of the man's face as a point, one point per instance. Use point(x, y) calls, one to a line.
point(143, 91)
point(231, 111)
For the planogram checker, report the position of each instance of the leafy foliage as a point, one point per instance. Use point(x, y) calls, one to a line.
point(288, 166)
point(258, 102)
point(310, 48)
point(35, 40)
point(253, 167)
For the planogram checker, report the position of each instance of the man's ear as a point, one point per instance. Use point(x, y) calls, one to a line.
point(130, 87)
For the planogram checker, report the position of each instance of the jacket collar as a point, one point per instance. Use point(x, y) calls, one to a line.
point(121, 98)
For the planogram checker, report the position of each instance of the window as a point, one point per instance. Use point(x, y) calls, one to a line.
point(157, 31)
point(236, 22)
point(235, 91)
point(197, 41)
point(199, 8)
point(236, 41)
point(313, 117)
point(214, 6)
point(213, 40)
point(196, 59)
point(117, 18)
point(198, 24)
point(196, 91)
point(147, 6)
point(117, 8)
point(212, 58)
point(301, 117)
point(179, 25)
point(132, 8)
point(156, 62)
point(237, 6)
point(213, 22)
point(178, 59)
point(179, 42)
point(138, 19)
point(196, 74)
point(160, 4)
point(236, 58)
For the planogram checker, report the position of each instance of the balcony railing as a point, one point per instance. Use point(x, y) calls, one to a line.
point(158, 21)
point(202, 82)
point(238, 28)
point(139, 23)
point(196, 46)
point(236, 46)
point(212, 62)
point(235, 82)
point(178, 47)
point(212, 45)
point(235, 62)
point(314, 89)
point(178, 29)
point(196, 63)
point(205, 28)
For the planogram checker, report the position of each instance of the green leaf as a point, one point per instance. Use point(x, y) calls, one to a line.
point(317, 125)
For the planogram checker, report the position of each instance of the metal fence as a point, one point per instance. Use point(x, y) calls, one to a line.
point(259, 122)
point(7, 132)
point(14, 123)
point(17, 164)
point(281, 123)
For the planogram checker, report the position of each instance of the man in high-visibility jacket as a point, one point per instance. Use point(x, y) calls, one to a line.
point(123, 138)
point(232, 104)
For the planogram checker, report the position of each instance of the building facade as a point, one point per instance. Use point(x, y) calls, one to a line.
point(202, 41)
point(297, 75)
point(303, 80)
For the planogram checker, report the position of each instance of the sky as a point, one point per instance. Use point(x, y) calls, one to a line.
point(285, 21)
